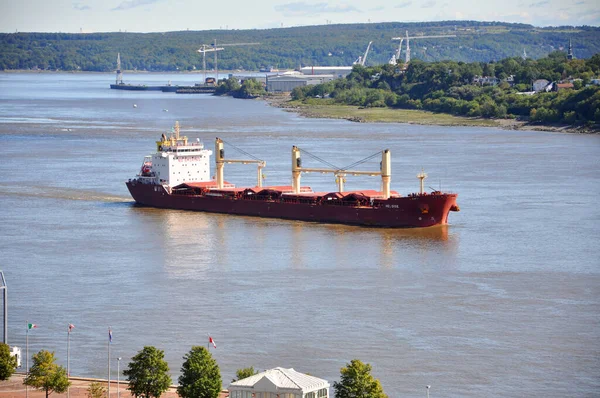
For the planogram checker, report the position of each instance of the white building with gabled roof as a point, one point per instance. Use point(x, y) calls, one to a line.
point(279, 383)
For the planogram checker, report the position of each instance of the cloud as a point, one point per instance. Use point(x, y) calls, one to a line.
point(132, 4)
point(539, 3)
point(428, 4)
point(579, 3)
point(81, 7)
point(404, 4)
point(305, 9)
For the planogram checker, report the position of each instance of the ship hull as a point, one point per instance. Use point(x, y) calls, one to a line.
point(403, 212)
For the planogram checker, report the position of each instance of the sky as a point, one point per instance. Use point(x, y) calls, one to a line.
point(87, 16)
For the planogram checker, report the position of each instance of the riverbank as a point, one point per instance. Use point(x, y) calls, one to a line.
point(14, 388)
point(410, 116)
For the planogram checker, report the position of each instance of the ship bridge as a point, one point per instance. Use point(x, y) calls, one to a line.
point(178, 161)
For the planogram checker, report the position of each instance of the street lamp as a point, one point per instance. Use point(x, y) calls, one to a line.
point(427, 389)
point(118, 374)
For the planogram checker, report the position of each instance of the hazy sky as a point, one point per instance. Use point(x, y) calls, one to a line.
point(171, 15)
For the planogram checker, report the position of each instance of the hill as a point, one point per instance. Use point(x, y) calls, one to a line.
point(327, 45)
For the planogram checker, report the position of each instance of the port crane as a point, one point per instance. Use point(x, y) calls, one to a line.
point(362, 59)
point(396, 56)
point(205, 50)
point(213, 48)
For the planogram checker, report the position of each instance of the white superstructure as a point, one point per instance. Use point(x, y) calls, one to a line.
point(177, 161)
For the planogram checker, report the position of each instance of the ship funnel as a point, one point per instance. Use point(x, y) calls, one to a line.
point(386, 172)
point(219, 157)
point(296, 169)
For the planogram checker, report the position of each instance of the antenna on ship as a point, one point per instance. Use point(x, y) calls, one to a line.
point(422, 176)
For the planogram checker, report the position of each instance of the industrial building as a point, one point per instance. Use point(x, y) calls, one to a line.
point(286, 83)
point(337, 71)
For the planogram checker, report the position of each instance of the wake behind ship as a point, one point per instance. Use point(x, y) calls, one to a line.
point(177, 176)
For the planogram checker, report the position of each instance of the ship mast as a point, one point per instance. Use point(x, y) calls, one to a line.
point(119, 73)
point(422, 176)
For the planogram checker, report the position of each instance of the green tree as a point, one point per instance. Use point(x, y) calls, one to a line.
point(251, 88)
point(357, 381)
point(243, 373)
point(148, 373)
point(46, 375)
point(200, 375)
point(96, 390)
point(297, 93)
point(8, 363)
point(227, 86)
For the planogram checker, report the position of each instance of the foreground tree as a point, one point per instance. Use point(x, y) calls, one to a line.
point(8, 363)
point(200, 375)
point(148, 373)
point(357, 381)
point(243, 373)
point(96, 390)
point(46, 375)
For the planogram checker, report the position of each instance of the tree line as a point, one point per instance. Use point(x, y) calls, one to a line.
point(147, 375)
point(458, 88)
point(288, 48)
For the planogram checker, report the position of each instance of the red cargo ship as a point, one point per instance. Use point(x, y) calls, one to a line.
point(177, 176)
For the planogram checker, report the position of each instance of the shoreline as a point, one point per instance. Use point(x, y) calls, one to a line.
point(133, 72)
point(410, 116)
point(14, 388)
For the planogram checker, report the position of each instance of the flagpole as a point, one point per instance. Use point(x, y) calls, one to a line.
point(27, 356)
point(108, 395)
point(68, 359)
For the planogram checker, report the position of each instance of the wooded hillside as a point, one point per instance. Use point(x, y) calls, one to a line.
point(288, 48)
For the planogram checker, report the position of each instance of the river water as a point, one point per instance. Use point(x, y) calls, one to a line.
point(503, 302)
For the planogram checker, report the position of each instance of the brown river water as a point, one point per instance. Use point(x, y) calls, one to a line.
point(503, 302)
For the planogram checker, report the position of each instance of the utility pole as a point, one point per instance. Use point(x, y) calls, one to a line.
point(5, 297)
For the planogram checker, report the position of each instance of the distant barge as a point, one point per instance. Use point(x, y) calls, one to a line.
point(178, 176)
point(207, 88)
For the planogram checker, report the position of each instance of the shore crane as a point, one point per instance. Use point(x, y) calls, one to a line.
point(213, 48)
point(205, 50)
point(362, 59)
point(407, 57)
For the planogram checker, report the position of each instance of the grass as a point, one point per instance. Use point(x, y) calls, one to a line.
point(387, 115)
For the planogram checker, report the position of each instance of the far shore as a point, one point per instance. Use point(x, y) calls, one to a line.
point(410, 116)
point(367, 115)
point(132, 72)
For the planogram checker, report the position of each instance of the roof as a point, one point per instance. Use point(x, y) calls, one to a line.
point(281, 378)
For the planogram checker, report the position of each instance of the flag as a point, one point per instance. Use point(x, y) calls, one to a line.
point(71, 327)
point(210, 340)
point(109, 336)
point(31, 326)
